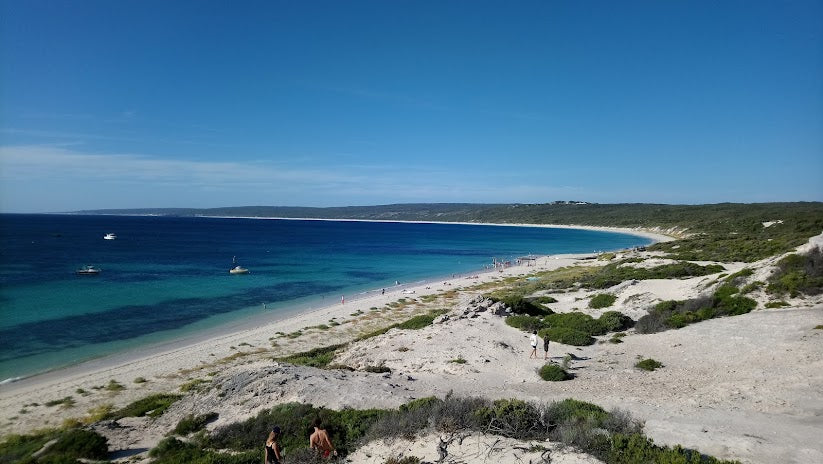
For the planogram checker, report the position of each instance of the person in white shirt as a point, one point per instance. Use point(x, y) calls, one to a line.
point(534, 345)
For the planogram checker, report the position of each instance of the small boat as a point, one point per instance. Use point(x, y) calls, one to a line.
point(88, 270)
point(109, 237)
point(237, 269)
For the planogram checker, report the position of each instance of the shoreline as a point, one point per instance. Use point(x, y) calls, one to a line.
point(639, 232)
point(304, 315)
point(653, 234)
point(295, 308)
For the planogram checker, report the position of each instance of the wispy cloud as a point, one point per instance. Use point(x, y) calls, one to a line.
point(115, 180)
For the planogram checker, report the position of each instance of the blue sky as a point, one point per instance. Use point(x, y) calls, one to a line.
point(204, 104)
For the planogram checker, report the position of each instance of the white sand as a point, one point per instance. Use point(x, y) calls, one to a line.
point(747, 387)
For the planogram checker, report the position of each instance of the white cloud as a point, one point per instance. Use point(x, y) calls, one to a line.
point(48, 178)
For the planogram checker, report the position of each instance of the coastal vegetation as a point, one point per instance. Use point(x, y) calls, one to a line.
point(602, 300)
point(671, 314)
point(554, 373)
point(66, 445)
point(648, 364)
point(612, 436)
point(798, 274)
point(151, 406)
point(518, 295)
point(574, 328)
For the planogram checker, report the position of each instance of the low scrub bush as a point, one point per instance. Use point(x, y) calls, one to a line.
point(417, 322)
point(777, 304)
point(613, 274)
point(554, 373)
point(613, 437)
point(615, 321)
point(512, 418)
point(567, 336)
point(726, 301)
point(577, 321)
point(648, 364)
point(68, 446)
point(524, 322)
point(317, 357)
point(521, 305)
point(192, 423)
point(798, 274)
point(152, 406)
point(377, 369)
point(602, 300)
point(345, 427)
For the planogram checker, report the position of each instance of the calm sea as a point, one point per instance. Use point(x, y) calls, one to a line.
point(165, 278)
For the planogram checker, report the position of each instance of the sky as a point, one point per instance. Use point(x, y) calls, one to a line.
point(131, 104)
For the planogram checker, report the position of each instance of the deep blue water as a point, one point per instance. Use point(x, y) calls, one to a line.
point(167, 277)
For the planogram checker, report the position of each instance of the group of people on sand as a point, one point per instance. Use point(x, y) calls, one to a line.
point(534, 340)
point(318, 441)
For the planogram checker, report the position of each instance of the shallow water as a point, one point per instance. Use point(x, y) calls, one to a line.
point(166, 277)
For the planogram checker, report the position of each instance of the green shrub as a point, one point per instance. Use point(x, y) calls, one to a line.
point(544, 299)
point(577, 321)
point(567, 336)
point(613, 274)
point(79, 443)
point(725, 301)
point(636, 448)
point(798, 274)
point(554, 373)
point(614, 321)
point(14, 448)
point(195, 385)
point(377, 369)
point(602, 300)
point(520, 305)
point(417, 322)
point(114, 386)
point(524, 322)
point(317, 357)
point(152, 406)
point(403, 460)
point(648, 364)
point(511, 418)
point(192, 423)
point(777, 304)
point(345, 428)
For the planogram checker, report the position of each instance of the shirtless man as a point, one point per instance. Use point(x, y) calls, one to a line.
point(319, 440)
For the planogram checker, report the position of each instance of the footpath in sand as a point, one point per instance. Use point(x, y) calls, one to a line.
point(747, 387)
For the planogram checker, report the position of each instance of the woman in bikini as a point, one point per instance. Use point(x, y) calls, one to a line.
point(273, 455)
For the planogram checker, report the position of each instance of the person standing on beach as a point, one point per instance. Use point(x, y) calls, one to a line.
point(319, 440)
point(534, 345)
point(273, 455)
point(343, 299)
point(546, 346)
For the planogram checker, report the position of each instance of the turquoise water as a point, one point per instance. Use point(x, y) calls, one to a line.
point(165, 278)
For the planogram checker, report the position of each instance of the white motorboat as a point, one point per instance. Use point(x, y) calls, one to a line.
point(109, 237)
point(237, 269)
point(88, 271)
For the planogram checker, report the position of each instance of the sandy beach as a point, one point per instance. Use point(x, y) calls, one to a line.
point(747, 387)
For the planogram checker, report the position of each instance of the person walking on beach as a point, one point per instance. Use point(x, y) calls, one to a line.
point(273, 455)
point(343, 299)
point(534, 345)
point(546, 346)
point(319, 440)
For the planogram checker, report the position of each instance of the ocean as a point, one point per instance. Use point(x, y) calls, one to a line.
point(166, 278)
